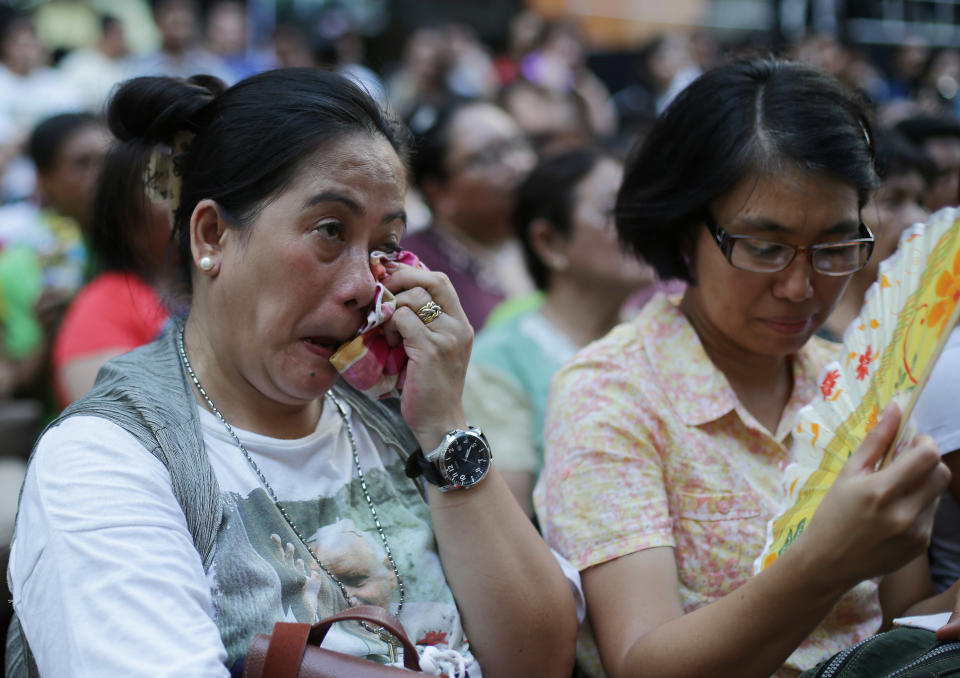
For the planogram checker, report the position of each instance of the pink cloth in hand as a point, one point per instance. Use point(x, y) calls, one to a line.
point(367, 362)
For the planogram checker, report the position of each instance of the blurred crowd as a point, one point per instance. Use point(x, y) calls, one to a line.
point(530, 118)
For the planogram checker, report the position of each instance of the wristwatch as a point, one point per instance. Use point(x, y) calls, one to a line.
point(459, 462)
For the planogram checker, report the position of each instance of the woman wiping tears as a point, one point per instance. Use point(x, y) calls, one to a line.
point(222, 478)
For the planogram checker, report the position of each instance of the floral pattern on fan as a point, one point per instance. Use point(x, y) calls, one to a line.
point(888, 351)
point(948, 291)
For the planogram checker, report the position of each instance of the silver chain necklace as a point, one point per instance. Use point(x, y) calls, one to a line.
point(283, 511)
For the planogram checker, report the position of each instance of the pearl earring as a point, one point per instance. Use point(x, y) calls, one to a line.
point(206, 263)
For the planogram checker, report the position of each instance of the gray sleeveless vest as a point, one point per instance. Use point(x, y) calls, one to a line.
point(147, 393)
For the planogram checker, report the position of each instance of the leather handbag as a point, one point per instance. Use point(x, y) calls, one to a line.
point(293, 650)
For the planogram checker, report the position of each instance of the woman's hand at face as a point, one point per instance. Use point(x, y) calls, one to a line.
point(437, 353)
point(871, 522)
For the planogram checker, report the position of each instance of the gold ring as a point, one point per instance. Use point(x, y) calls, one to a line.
point(429, 312)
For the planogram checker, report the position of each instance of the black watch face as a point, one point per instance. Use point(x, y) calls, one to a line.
point(466, 461)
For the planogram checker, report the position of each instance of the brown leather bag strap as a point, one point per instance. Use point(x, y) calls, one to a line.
point(286, 650)
point(372, 615)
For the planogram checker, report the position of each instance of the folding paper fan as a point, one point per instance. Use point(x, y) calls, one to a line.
point(887, 354)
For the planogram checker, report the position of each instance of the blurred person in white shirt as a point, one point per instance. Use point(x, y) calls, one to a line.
point(29, 92)
point(95, 70)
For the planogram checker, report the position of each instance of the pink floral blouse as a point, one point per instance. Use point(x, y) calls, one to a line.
point(646, 445)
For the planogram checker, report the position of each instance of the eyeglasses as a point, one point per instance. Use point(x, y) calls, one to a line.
point(493, 154)
point(759, 255)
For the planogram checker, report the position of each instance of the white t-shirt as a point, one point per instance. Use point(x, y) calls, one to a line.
point(27, 100)
point(937, 415)
point(107, 582)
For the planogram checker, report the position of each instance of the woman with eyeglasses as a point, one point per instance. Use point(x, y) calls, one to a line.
point(469, 158)
point(666, 440)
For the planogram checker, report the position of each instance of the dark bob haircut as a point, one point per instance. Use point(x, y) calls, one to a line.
point(430, 125)
point(48, 137)
point(549, 193)
point(121, 213)
point(897, 155)
point(761, 115)
point(251, 139)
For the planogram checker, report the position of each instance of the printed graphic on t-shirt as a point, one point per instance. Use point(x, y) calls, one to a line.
point(262, 572)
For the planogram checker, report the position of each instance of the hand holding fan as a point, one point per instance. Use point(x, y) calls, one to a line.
point(887, 354)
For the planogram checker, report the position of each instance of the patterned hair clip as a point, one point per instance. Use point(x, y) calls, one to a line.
point(162, 177)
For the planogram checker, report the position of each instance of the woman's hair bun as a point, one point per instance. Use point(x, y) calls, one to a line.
point(153, 109)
